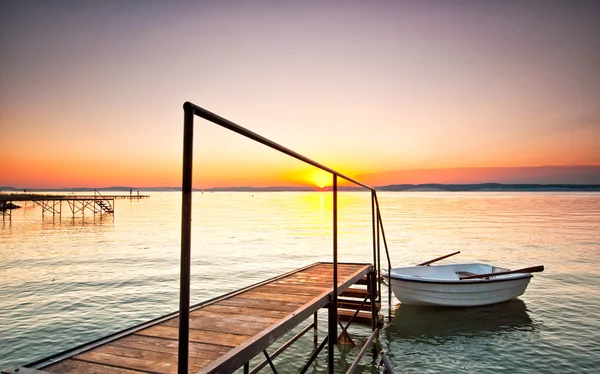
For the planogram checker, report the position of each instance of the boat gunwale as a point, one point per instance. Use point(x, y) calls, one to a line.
point(428, 279)
point(454, 281)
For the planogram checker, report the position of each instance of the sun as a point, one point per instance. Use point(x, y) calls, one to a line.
point(321, 178)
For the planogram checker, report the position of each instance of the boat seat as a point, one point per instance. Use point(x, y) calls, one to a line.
point(465, 273)
point(468, 274)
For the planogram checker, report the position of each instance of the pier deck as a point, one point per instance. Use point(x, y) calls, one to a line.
point(225, 333)
point(48, 197)
point(51, 203)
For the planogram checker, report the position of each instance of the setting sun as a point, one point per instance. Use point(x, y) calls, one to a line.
point(321, 178)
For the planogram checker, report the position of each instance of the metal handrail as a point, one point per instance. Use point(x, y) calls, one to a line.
point(186, 187)
point(212, 117)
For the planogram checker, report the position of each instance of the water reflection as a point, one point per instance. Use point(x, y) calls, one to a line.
point(439, 322)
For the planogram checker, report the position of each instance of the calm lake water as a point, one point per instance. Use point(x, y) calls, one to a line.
point(67, 281)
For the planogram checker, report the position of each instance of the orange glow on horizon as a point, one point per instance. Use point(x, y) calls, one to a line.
point(62, 170)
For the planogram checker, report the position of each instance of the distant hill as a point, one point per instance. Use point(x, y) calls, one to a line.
point(490, 187)
point(573, 174)
point(392, 187)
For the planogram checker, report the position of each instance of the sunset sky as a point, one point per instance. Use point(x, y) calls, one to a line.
point(91, 92)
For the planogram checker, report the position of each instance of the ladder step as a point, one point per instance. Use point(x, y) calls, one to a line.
point(105, 206)
point(361, 317)
point(359, 293)
point(353, 304)
point(363, 281)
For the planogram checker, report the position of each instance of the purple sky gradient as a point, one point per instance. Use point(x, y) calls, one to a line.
point(364, 86)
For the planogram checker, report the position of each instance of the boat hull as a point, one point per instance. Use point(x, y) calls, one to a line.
point(452, 292)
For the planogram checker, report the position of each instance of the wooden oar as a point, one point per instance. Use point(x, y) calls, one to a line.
point(426, 263)
point(533, 269)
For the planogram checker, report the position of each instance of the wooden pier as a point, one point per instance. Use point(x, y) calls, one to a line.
point(224, 333)
point(78, 204)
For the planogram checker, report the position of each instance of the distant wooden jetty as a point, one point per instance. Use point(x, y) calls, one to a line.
point(78, 204)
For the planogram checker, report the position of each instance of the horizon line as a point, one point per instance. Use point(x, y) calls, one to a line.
point(308, 188)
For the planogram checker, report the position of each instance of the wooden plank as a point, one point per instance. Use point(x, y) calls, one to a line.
point(322, 274)
point(265, 296)
point(324, 286)
point(361, 317)
point(328, 267)
point(261, 304)
point(200, 336)
point(76, 366)
point(317, 287)
point(240, 313)
point(316, 278)
point(302, 275)
point(292, 290)
point(220, 325)
point(316, 270)
point(360, 293)
point(314, 275)
point(353, 304)
point(150, 343)
point(326, 283)
point(138, 359)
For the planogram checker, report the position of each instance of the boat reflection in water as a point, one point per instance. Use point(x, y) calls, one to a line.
point(436, 322)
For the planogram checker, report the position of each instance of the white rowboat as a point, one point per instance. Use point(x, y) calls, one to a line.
point(458, 285)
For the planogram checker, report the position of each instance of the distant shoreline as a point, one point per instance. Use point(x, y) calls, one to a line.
point(428, 187)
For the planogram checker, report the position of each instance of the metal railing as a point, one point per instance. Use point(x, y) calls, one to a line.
point(191, 110)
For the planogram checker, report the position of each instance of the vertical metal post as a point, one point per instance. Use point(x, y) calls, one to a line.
point(186, 234)
point(316, 330)
point(372, 294)
point(333, 317)
point(378, 269)
point(389, 267)
point(373, 223)
point(374, 312)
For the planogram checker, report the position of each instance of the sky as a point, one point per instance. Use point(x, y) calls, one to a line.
point(91, 92)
